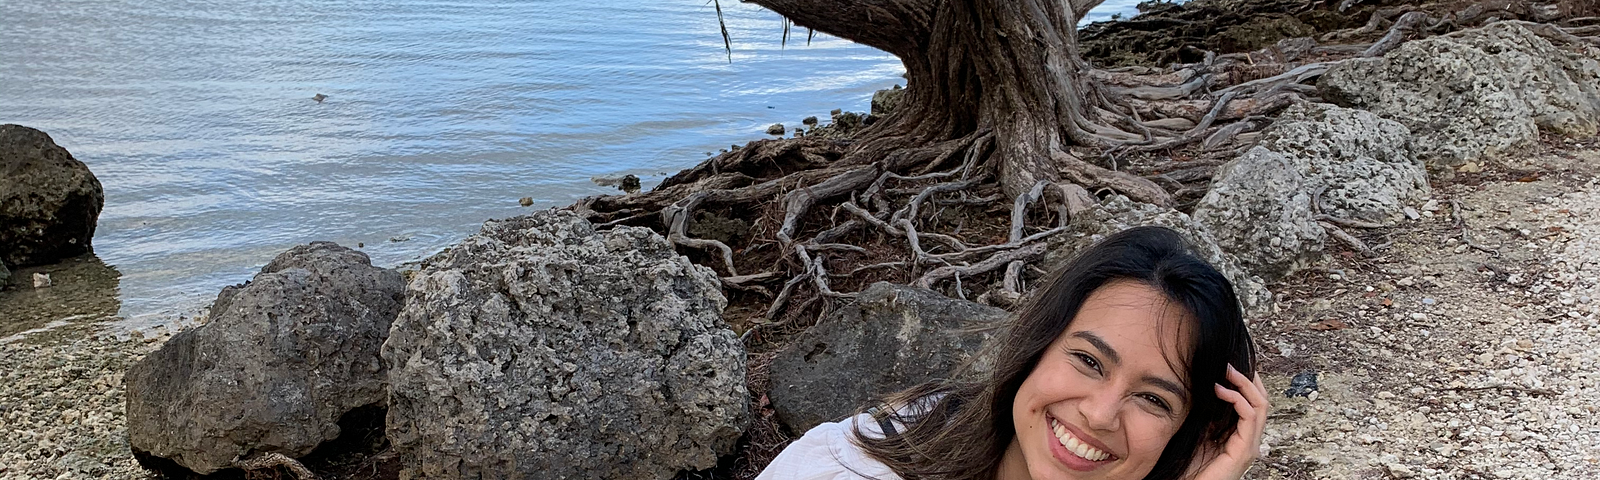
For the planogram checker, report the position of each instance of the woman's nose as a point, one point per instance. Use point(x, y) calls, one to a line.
point(1100, 410)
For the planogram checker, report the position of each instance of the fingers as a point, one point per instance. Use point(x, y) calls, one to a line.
point(1254, 391)
point(1242, 406)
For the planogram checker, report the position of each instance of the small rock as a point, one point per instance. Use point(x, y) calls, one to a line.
point(319, 97)
point(1400, 471)
point(1419, 316)
point(525, 201)
point(1431, 206)
point(775, 129)
point(835, 112)
point(1411, 213)
point(1462, 248)
point(41, 280)
point(1429, 301)
point(811, 120)
point(1302, 385)
point(1407, 282)
point(1524, 343)
point(630, 184)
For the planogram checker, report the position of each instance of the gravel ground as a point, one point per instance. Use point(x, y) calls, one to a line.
point(1438, 359)
point(1435, 359)
point(61, 408)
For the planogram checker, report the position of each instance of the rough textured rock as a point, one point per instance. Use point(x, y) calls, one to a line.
point(1119, 213)
point(5, 275)
point(281, 360)
point(1362, 164)
point(891, 338)
point(1260, 207)
point(539, 348)
point(887, 100)
point(49, 201)
point(1259, 210)
point(1476, 93)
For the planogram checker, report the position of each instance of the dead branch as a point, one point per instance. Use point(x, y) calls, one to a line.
point(1346, 238)
point(269, 461)
point(1397, 34)
point(1466, 237)
point(1345, 222)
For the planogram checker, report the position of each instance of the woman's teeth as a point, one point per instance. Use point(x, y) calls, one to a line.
point(1075, 446)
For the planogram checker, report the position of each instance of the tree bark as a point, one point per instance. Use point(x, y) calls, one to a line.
point(1010, 68)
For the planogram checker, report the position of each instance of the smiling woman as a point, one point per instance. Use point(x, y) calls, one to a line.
point(1132, 363)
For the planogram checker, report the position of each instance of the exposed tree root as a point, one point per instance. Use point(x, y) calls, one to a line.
point(271, 461)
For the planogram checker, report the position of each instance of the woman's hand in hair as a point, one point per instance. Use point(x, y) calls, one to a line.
point(1249, 399)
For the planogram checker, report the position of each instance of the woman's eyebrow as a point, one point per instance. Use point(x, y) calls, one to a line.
point(1168, 385)
point(1099, 344)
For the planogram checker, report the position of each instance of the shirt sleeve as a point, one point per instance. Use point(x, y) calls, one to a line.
point(826, 453)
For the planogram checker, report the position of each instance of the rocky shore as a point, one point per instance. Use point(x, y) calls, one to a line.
point(62, 405)
point(1416, 237)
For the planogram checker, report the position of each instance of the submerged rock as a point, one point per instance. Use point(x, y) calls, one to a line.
point(1119, 213)
point(1484, 92)
point(281, 360)
point(891, 338)
point(540, 348)
point(49, 201)
point(1260, 205)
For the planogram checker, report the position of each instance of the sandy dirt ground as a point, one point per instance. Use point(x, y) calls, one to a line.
point(1444, 358)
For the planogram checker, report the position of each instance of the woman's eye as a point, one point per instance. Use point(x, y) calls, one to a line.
point(1088, 360)
point(1157, 402)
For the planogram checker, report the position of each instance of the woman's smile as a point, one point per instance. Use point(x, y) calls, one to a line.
point(1075, 449)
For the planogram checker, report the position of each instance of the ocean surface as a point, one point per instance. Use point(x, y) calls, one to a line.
point(198, 118)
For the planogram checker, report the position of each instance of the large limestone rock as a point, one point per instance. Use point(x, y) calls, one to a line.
point(540, 348)
point(1476, 93)
point(1363, 165)
point(1260, 206)
point(893, 337)
point(281, 360)
point(1119, 213)
point(1258, 209)
point(49, 201)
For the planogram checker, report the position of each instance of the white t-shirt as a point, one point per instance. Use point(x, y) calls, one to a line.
point(826, 453)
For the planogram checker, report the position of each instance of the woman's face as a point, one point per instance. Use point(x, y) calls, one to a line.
point(1103, 400)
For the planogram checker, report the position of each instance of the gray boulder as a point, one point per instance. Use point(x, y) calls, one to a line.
point(1361, 167)
point(1362, 164)
point(1259, 209)
point(1476, 93)
point(1119, 213)
point(282, 358)
point(540, 348)
point(49, 201)
point(891, 338)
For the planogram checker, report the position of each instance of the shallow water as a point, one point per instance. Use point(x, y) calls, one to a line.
point(197, 116)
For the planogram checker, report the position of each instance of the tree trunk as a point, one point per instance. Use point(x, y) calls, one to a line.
point(1009, 69)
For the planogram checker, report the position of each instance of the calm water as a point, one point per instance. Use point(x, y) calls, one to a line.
point(197, 116)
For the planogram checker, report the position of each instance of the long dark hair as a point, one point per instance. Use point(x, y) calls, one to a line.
point(962, 429)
